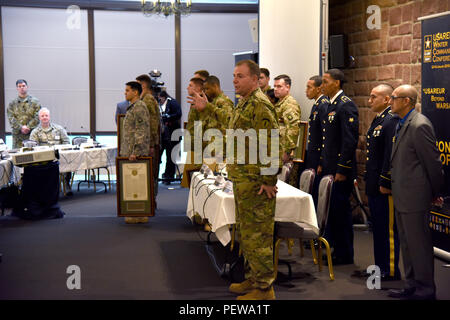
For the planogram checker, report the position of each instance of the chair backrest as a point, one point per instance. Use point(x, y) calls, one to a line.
point(79, 140)
point(285, 172)
point(306, 182)
point(323, 202)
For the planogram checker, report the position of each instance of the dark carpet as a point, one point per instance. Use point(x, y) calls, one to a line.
point(163, 259)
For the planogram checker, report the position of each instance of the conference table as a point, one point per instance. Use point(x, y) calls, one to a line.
point(85, 159)
point(212, 203)
point(69, 161)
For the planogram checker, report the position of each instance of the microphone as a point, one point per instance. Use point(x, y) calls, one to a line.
point(228, 188)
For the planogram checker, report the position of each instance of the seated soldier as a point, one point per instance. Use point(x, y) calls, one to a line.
point(50, 134)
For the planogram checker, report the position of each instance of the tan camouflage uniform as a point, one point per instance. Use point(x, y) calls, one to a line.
point(155, 123)
point(136, 131)
point(23, 111)
point(289, 113)
point(266, 89)
point(153, 110)
point(254, 213)
point(217, 115)
point(54, 134)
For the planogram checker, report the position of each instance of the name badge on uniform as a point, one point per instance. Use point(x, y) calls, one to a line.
point(331, 116)
point(377, 131)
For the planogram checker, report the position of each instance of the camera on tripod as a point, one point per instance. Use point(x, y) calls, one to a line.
point(157, 86)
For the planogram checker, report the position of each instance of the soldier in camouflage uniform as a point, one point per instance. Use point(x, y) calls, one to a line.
point(155, 123)
point(201, 74)
point(195, 86)
point(264, 78)
point(23, 114)
point(218, 109)
point(289, 113)
point(136, 131)
point(254, 192)
point(50, 134)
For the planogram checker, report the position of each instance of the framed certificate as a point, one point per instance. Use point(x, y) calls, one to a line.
point(120, 119)
point(299, 153)
point(135, 187)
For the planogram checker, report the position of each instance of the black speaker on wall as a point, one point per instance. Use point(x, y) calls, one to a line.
point(338, 51)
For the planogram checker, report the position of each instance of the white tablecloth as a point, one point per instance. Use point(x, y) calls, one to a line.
point(292, 205)
point(73, 160)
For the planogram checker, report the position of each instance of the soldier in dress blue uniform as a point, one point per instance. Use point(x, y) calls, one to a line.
point(338, 158)
point(378, 183)
point(318, 111)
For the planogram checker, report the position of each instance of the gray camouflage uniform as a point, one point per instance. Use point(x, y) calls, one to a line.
point(136, 131)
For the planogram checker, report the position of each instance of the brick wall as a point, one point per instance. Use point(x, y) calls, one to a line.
point(391, 54)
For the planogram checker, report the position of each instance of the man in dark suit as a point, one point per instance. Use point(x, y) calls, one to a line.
point(378, 183)
point(121, 108)
point(170, 117)
point(338, 158)
point(417, 177)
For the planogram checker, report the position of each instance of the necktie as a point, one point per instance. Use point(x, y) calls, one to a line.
point(397, 129)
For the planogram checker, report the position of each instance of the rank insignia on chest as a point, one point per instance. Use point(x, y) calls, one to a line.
point(331, 116)
point(351, 119)
point(377, 131)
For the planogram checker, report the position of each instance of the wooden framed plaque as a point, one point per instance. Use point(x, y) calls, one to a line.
point(299, 152)
point(120, 119)
point(135, 187)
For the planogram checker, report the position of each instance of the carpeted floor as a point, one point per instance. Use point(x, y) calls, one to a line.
point(164, 259)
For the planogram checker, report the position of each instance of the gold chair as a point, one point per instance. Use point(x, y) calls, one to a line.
point(285, 230)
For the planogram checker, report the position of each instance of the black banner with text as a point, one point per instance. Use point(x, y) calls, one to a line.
point(436, 106)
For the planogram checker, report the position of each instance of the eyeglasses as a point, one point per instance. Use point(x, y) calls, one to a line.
point(394, 97)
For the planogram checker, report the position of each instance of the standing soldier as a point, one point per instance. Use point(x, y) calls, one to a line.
point(23, 114)
point(218, 107)
point(136, 132)
point(288, 115)
point(264, 78)
point(378, 183)
point(254, 193)
point(155, 120)
point(338, 158)
point(318, 112)
point(195, 86)
point(201, 74)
